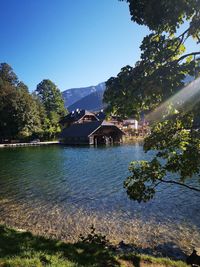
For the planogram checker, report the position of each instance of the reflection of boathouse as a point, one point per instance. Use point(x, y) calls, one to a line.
point(83, 127)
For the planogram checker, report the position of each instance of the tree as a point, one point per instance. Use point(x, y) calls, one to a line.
point(19, 116)
point(157, 76)
point(27, 113)
point(177, 146)
point(166, 16)
point(7, 75)
point(51, 98)
point(8, 126)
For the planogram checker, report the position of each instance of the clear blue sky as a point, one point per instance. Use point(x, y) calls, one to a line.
point(74, 43)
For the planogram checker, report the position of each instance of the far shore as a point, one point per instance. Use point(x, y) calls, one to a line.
point(133, 139)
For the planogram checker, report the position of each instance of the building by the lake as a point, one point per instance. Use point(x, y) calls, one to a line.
point(130, 124)
point(81, 127)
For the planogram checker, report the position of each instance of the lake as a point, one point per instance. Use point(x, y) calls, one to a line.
point(60, 191)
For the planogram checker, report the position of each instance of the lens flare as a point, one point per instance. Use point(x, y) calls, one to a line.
point(186, 98)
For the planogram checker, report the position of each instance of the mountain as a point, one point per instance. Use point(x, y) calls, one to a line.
point(91, 102)
point(71, 96)
point(91, 97)
point(188, 79)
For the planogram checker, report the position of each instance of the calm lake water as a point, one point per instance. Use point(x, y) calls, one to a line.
point(38, 179)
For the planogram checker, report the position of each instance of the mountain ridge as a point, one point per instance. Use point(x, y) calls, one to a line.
point(92, 102)
point(90, 97)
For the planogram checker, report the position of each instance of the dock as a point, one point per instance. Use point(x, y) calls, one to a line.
point(29, 144)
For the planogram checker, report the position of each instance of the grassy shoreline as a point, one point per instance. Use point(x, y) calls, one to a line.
point(19, 249)
point(167, 238)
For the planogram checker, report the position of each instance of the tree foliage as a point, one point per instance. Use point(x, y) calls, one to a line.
point(160, 73)
point(23, 115)
point(51, 99)
point(166, 15)
point(19, 116)
point(177, 151)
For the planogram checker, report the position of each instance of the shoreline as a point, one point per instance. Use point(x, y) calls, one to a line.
point(173, 239)
point(126, 141)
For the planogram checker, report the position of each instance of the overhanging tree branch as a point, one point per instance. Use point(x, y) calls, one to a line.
point(181, 184)
point(187, 55)
point(182, 34)
point(182, 40)
point(198, 38)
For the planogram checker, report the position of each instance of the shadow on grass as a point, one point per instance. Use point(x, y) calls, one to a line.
point(21, 244)
point(166, 254)
point(92, 250)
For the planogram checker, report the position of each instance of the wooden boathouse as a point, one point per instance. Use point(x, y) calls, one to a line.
point(86, 128)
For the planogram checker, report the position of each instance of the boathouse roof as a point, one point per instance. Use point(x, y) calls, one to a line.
point(100, 115)
point(85, 129)
point(76, 115)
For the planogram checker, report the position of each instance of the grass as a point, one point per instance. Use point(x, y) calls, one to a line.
point(22, 249)
point(148, 261)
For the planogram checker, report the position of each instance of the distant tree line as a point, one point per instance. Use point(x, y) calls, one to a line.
point(24, 115)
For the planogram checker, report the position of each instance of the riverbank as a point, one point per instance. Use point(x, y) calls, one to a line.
point(18, 248)
point(29, 144)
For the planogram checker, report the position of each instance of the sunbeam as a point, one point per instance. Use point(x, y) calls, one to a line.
point(186, 98)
